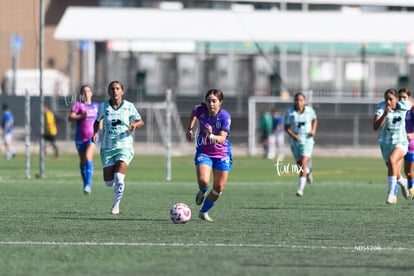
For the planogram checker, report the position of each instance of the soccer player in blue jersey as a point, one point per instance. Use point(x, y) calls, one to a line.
point(213, 149)
point(120, 118)
point(300, 124)
point(84, 112)
point(408, 188)
point(389, 120)
point(7, 123)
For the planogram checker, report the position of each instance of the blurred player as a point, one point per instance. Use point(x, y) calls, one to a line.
point(7, 127)
point(84, 112)
point(213, 149)
point(51, 130)
point(389, 120)
point(300, 124)
point(405, 95)
point(277, 137)
point(120, 118)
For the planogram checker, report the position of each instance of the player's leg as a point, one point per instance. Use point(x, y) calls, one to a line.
point(303, 166)
point(119, 187)
point(394, 169)
point(88, 166)
point(221, 168)
point(123, 157)
point(280, 144)
point(408, 170)
point(203, 169)
point(54, 146)
point(272, 146)
point(80, 148)
point(8, 148)
point(402, 182)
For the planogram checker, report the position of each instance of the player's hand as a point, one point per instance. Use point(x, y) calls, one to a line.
point(95, 137)
point(132, 127)
point(189, 134)
point(209, 129)
point(388, 109)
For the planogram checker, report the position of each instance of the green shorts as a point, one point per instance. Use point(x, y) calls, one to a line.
point(299, 150)
point(110, 156)
point(386, 149)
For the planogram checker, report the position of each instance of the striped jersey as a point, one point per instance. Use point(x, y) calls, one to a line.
point(392, 132)
point(301, 123)
point(115, 132)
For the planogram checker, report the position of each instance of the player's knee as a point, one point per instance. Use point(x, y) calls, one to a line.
point(109, 183)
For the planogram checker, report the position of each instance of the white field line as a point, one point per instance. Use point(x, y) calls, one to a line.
point(357, 248)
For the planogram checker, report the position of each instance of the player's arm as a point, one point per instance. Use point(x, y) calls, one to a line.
point(73, 116)
point(290, 132)
point(218, 138)
point(136, 124)
point(410, 135)
point(314, 126)
point(379, 120)
point(191, 123)
point(380, 116)
point(95, 130)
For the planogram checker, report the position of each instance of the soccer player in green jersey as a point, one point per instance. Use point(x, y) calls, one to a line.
point(389, 120)
point(300, 124)
point(119, 119)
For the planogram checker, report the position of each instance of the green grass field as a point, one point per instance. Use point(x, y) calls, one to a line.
point(341, 226)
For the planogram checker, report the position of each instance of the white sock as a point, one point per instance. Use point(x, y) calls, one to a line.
point(301, 183)
point(392, 183)
point(119, 187)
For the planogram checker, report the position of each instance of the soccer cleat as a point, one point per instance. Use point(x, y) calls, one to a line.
point(411, 193)
point(206, 217)
point(200, 197)
point(115, 209)
point(87, 190)
point(404, 189)
point(299, 192)
point(391, 199)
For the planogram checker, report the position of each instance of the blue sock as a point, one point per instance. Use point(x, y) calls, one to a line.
point(88, 172)
point(410, 183)
point(83, 173)
point(205, 189)
point(208, 204)
point(396, 190)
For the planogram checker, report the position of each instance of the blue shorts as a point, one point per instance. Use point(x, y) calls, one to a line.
point(409, 156)
point(219, 164)
point(81, 146)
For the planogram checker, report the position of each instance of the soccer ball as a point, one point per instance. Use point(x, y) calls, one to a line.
point(180, 213)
